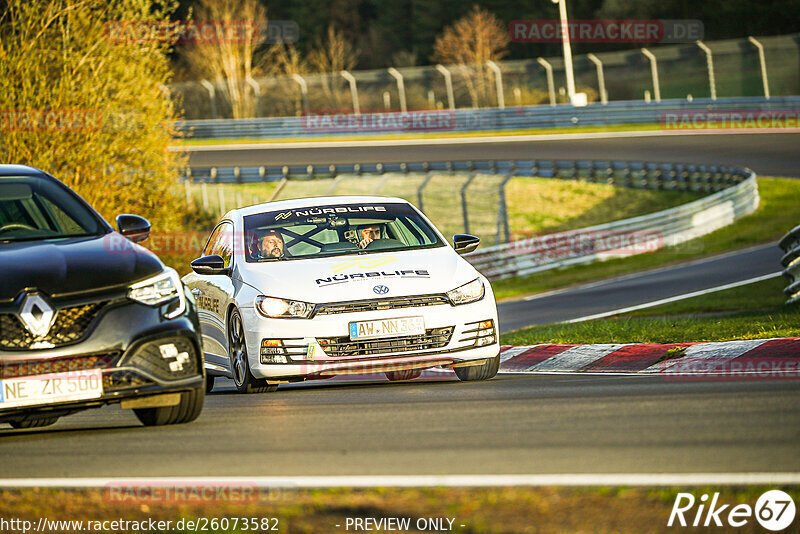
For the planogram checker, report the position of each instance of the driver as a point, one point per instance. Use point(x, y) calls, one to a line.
point(367, 234)
point(270, 245)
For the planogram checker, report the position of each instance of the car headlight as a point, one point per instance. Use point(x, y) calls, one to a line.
point(281, 308)
point(469, 292)
point(159, 289)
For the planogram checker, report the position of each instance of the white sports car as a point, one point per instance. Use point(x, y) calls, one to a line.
point(312, 288)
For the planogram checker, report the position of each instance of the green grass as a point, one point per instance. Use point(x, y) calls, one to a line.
point(753, 311)
point(778, 212)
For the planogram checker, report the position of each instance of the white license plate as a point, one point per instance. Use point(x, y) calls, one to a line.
point(401, 326)
point(52, 388)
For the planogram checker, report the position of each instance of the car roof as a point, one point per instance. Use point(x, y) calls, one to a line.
point(311, 202)
point(17, 170)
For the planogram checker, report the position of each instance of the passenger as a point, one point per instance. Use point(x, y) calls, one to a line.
point(367, 234)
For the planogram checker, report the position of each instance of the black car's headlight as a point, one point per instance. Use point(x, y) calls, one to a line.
point(160, 289)
point(282, 308)
point(469, 292)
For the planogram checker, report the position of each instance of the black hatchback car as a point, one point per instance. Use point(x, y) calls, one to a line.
point(87, 316)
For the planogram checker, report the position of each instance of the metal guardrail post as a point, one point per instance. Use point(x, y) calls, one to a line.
point(762, 61)
point(401, 88)
point(353, 90)
point(464, 212)
point(601, 80)
point(498, 80)
point(710, 63)
point(421, 188)
point(256, 92)
point(448, 83)
point(790, 244)
point(303, 91)
point(550, 85)
point(212, 96)
point(654, 73)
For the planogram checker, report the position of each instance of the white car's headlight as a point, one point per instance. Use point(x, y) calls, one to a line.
point(469, 292)
point(160, 289)
point(282, 308)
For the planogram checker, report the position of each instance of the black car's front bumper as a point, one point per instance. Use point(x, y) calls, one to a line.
point(124, 341)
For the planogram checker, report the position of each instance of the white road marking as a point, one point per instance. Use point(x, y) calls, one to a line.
point(282, 145)
point(675, 298)
point(574, 358)
point(400, 481)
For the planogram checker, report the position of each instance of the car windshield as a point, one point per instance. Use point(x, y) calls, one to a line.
point(342, 229)
point(33, 207)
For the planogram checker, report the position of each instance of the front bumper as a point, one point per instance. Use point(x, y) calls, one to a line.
point(127, 342)
point(452, 334)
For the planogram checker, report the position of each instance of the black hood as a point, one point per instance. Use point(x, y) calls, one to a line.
point(72, 265)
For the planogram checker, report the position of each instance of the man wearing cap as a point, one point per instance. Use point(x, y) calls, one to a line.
point(270, 245)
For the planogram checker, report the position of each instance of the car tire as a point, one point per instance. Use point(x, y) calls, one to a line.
point(243, 379)
point(186, 411)
point(209, 383)
point(405, 374)
point(485, 371)
point(33, 421)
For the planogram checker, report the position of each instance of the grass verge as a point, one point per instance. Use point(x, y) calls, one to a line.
point(754, 311)
point(493, 510)
point(777, 214)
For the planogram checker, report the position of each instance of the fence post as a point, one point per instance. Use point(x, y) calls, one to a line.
point(221, 197)
point(212, 96)
point(188, 189)
point(465, 214)
point(601, 80)
point(498, 80)
point(204, 193)
point(654, 73)
point(428, 176)
point(710, 63)
point(303, 91)
point(763, 63)
point(502, 208)
point(448, 83)
point(550, 86)
point(401, 88)
point(353, 90)
point(256, 92)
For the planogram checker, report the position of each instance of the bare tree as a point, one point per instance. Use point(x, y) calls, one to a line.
point(472, 41)
point(331, 56)
point(229, 55)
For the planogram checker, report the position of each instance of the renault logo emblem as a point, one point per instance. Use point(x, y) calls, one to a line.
point(36, 314)
point(380, 290)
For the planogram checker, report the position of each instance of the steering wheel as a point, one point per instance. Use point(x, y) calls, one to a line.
point(16, 226)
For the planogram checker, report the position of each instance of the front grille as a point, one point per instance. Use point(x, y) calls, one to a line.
point(381, 304)
point(71, 325)
point(338, 347)
point(69, 364)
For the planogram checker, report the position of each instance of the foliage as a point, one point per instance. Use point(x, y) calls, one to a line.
point(88, 108)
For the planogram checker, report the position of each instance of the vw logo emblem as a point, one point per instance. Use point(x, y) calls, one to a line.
point(380, 290)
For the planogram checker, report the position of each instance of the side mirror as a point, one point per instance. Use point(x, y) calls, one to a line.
point(465, 243)
point(213, 264)
point(133, 227)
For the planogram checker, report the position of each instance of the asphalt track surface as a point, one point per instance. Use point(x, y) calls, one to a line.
point(513, 424)
point(640, 288)
point(770, 154)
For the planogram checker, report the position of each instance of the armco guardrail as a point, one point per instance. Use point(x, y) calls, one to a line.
point(791, 263)
point(673, 114)
point(734, 195)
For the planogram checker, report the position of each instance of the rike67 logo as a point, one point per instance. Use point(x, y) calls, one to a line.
point(774, 510)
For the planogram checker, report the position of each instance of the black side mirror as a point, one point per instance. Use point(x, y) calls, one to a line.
point(213, 264)
point(465, 243)
point(133, 227)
